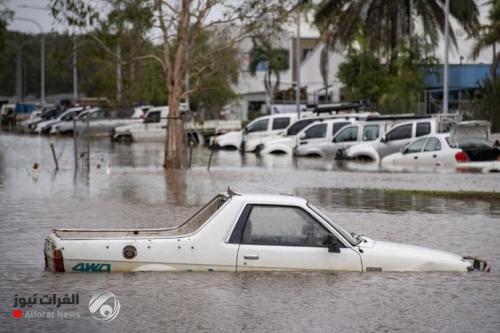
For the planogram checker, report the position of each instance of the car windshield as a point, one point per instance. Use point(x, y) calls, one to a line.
point(349, 236)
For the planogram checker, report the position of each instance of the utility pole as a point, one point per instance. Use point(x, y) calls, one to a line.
point(297, 65)
point(119, 75)
point(446, 46)
point(42, 56)
point(75, 71)
point(19, 73)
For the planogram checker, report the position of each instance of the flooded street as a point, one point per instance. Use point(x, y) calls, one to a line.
point(127, 188)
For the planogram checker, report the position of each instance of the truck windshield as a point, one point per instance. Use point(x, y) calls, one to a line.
point(349, 237)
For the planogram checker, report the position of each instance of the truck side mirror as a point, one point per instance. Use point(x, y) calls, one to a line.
point(332, 243)
point(383, 139)
point(404, 150)
point(302, 136)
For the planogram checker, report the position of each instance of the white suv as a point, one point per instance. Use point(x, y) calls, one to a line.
point(347, 136)
point(392, 141)
point(259, 128)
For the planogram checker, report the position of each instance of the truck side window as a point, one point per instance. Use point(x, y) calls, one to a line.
point(316, 131)
point(153, 117)
point(258, 126)
point(347, 134)
point(299, 126)
point(338, 126)
point(371, 132)
point(283, 226)
point(399, 133)
point(280, 123)
point(423, 129)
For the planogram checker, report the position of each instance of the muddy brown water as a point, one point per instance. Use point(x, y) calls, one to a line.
point(136, 192)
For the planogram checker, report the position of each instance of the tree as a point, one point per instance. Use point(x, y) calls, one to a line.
point(5, 16)
point(180, 22)
point(274, 59)
point(488, 36)
point(387, 24)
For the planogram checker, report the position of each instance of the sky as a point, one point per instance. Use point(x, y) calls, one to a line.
point(44, 18)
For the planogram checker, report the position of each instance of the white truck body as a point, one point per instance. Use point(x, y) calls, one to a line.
point(235, 232)
point(149, 129)
point(318, 131)
point(363, 131)
point(254, 132)
point(64, 127)
point(398, 137)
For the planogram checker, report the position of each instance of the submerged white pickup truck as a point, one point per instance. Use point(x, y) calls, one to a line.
point(235, 232)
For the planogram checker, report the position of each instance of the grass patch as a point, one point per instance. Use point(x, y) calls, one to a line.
point(462, 195)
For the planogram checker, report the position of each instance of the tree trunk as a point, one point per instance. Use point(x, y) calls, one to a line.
point(175, 144)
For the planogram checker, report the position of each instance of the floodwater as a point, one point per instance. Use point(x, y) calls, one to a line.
point(127, 188)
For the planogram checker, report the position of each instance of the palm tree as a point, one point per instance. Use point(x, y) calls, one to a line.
point(277, 62)
point(489, 36)
point(387, 24)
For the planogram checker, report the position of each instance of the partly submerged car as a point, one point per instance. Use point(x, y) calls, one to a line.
point(235, 232)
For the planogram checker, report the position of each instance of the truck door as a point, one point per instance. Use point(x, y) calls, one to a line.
point(395, 139)
point(289, 238)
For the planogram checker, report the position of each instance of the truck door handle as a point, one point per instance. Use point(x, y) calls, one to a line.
point(434, 156)
point(415, 157)
point(251, 256)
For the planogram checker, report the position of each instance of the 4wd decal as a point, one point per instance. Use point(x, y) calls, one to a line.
point(91, 267)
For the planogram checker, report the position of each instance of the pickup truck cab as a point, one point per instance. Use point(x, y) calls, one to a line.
point(391, 142)
point(319, 131)
point(151, 128)
point(351, 134)
point(235, 232)
point(257, 129)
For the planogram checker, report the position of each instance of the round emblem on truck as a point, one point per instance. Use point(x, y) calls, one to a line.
point(129, 252)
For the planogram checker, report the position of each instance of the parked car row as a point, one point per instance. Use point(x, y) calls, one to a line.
point(55, 120)
point(396, 142)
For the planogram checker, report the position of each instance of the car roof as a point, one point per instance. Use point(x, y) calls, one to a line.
point(269, 199)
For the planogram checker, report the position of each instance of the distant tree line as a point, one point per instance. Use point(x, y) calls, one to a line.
point(142, 78)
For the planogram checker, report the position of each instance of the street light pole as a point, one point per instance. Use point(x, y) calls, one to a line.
point(446, 46)
point(42, 56)
point(75, 71)
point(297, 65)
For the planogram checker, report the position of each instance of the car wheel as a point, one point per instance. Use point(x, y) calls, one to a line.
point(363, 158)
point(125, 138)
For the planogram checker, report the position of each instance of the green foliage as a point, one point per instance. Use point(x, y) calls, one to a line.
point(489, 102)
point(214, 72)
point(394, 89)
point(363, 76)
point(5, 17)
point(276, 59)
